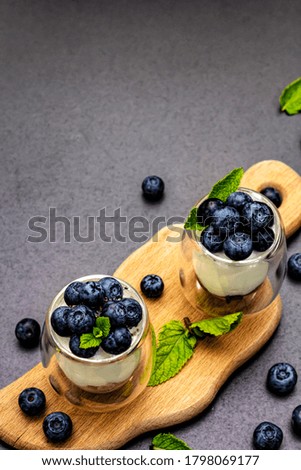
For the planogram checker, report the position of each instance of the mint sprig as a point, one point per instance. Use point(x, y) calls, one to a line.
point(177, 342)
point(290, 98)
point(167, 441)
point(100, 331)
point(191, 221)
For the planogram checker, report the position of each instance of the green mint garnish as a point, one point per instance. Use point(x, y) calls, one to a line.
point(191, 221)
point(168, 442)
point(216, 326)
point(227, 185)
point(176, 345)
point(100, 331)
point(290, 98)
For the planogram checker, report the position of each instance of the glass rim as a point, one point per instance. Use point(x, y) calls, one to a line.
point(60, 347)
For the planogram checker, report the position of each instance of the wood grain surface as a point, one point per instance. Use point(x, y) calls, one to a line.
point(191, 391)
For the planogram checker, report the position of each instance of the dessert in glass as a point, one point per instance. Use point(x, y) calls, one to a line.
point(238, 261)
point(96, 343)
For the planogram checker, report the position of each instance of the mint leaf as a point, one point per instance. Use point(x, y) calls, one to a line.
point(216, 326)
point(290, 98)
point(97, 333)
point(176, 345)
point(88, 340)
point(191, 221)
point(168, 442)
point(227, 185)
point(103, 323)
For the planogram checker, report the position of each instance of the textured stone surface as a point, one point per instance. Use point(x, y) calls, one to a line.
point(94, 96)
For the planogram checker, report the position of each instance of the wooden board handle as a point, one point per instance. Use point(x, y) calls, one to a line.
point(280, 176)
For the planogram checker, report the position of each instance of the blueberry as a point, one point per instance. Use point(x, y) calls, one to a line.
point(225, 220)
point(294, 266)
point(81, 319)
point(296, 420)
point(238, 246)
point(263, 239)
point(267, 436)
point(91, 294)
point(272, 194)
point(72, 293)
point(28, 332)
point(152, 286)
point(238, 200)
point(153, 188)
point(59, 321)
point(212, 241)
point(118, 341)
point(281, 378)
point(81, 352)
point(258, 215)
point(112, 289)
point(206, 210)
point(32, 401)
point(133, 312)
point(57, 426)
point(115, 311)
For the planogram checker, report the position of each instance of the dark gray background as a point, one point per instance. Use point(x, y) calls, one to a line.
point(95, 95)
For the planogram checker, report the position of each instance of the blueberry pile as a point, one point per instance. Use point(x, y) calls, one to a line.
point(88, 300)
point(236, 227)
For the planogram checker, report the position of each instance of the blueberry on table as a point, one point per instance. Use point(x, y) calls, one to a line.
point(86, 353)
point(263, 239)
point(294, 266)
point(57, 426)
point(153, 188)
point(133, 312)
point(225, 220)
point(212, 241)
point(152, 286)
point(116, 312)
point(59, 321)
point(32, 401)
point(28, 332)
point(296, 420)
point(238, 200)
point(273, 195)
point(81, 319)
point(257, 215)
point(112, 289)
point(267, 436)
point(91, 294)
point(281, 378)
point(118, 341)
point(72, 293)
point(238, 246)
point(206, 210)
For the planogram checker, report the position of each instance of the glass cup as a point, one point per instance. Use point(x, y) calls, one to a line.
point(217, 285)
point(104, 382)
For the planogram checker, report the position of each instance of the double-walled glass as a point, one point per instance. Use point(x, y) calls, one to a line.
point(217, 285)
point(104, 382)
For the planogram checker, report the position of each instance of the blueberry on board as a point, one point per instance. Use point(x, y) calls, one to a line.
point(133, 312)
point(212, 241)
point(57, 426)
point(225, 220)
point(72, 293)
point(294, 266)
point(32, 401)
point(296, 420)
point(263, 239)
point(238, 200)
point(238, 246)
point(59, 320)
point(116, 312)
point(81, 319)
point(118, 341)
point(152, 286)
point(91, 294)
point(267, 436)
point(28, 332)
point(112, 289)
point(153, 188)
point(206, 210)
point(281, 378)
point(273, 195)
point(258, 215)
point(81, 352)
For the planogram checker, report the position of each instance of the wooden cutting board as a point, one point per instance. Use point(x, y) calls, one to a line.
point(191, 391)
